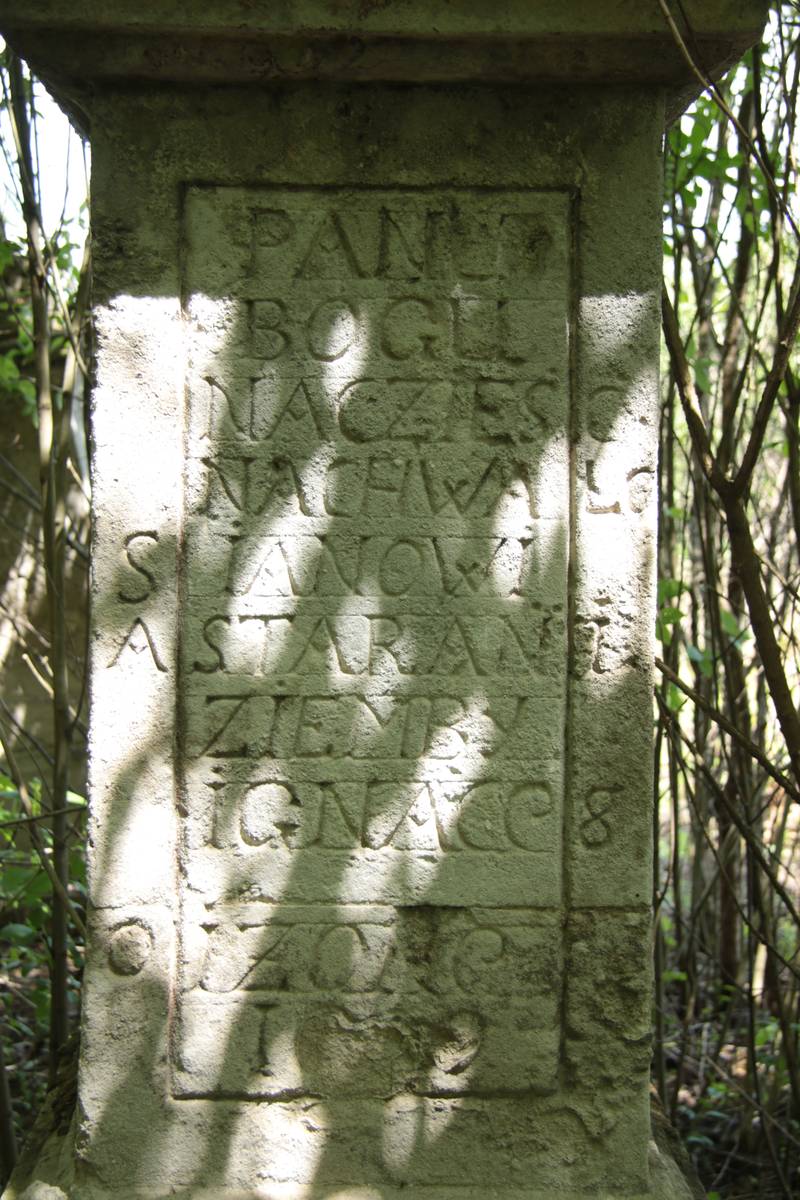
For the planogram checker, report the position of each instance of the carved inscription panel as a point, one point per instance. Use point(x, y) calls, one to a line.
point(294, 999)
point(374, 637)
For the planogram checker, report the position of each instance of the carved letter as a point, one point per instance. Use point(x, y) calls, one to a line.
point(136, 595)
point(138, 639)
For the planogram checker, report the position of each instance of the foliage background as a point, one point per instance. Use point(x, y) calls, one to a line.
point(726, 932)
point(728, 738)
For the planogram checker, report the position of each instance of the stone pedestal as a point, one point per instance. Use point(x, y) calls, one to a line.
point(375, 424)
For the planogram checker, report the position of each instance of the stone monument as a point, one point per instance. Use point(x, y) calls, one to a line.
point(377, 302)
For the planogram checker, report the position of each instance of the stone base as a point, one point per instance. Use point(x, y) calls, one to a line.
point(669, 1184)
point(47, 1171)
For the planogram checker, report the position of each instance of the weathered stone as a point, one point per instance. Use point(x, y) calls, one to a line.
point(375, 428)
point(224, 41)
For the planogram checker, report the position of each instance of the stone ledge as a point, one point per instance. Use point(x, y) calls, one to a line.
point(232, 42)
point(409, 18)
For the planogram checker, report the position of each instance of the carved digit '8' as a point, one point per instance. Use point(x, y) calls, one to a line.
point(595, 828)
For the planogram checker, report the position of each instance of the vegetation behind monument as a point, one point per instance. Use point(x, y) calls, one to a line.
point(727, 784)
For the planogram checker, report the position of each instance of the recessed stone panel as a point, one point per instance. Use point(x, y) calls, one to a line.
point(377, 514)
point(374, 659)
point(289, 1000)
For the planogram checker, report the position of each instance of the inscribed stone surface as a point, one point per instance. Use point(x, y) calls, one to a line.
point(374, 665)
point(371, 644)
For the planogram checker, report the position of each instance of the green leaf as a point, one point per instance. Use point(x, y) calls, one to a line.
point(663, 631)
point(766, 1033)
point(30, 883)
point(21, 1026)
point(9, 371)
point(666, 617)
point(731, 626)
point(17, 933)
point(702, 374)
point(27, 391)
point(77, 869)
point(668, 589)
point(15, 879)
point(701, 659)
point(42, 1004)
point(700, 1139)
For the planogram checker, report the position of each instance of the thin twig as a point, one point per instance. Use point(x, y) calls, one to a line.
point(38, 844)
point(723, 722)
